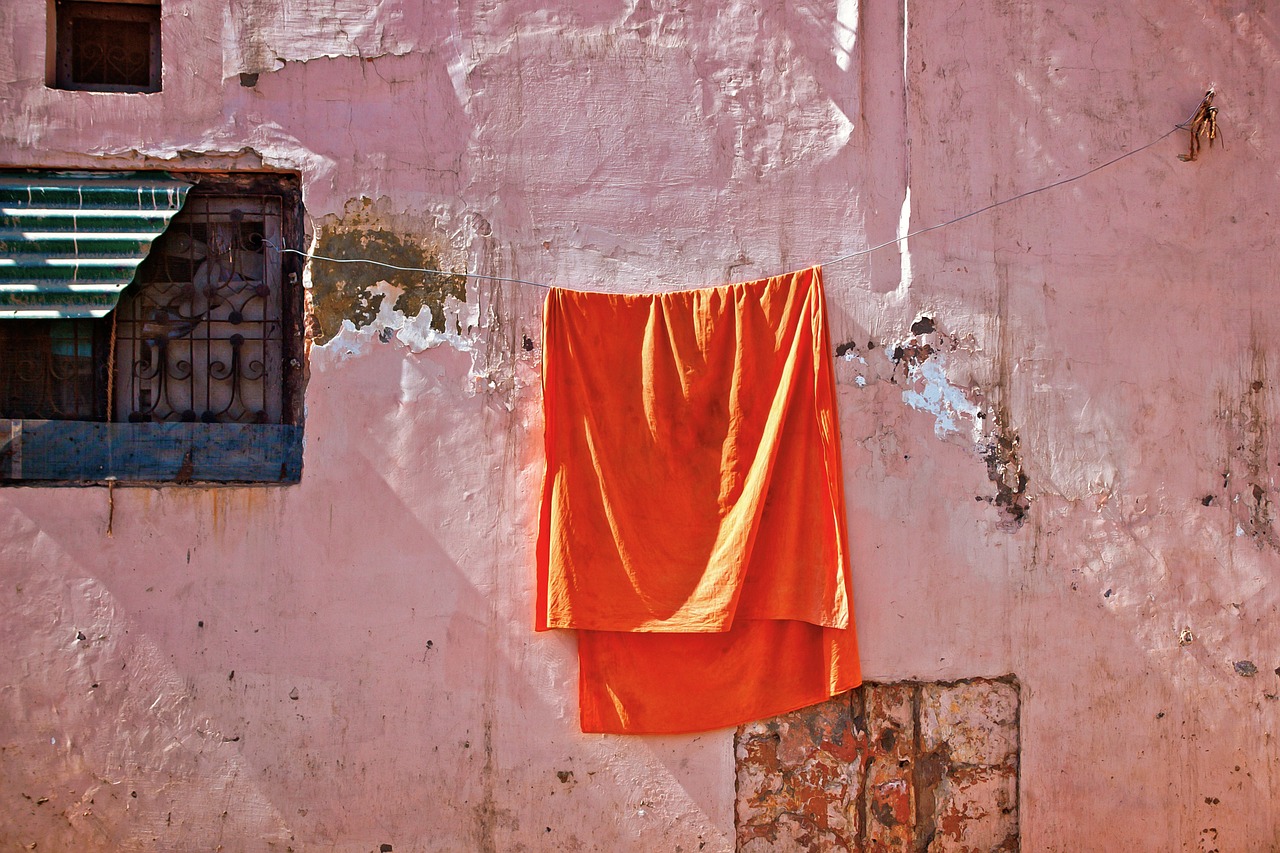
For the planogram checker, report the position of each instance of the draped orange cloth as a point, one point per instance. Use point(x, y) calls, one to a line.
point(692, 522)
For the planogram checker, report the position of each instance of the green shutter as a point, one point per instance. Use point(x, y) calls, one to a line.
point(70, 242)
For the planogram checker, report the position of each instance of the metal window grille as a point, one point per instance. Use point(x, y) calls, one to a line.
point(108, 47)
point(200, 334)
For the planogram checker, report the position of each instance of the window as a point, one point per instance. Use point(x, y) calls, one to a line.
point(201, 335)
point(197, 373)
point(108, 47)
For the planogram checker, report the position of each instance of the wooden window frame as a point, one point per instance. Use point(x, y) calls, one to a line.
point(103, 10)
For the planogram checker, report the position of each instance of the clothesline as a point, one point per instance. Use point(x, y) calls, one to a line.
point(1185, 125)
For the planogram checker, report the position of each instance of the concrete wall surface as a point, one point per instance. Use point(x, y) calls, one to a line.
point(1056, 414)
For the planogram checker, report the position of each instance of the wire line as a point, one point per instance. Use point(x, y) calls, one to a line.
point(312, 256)
point(996, 204)
point(854, 254)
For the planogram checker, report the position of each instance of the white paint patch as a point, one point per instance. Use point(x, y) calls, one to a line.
point(260, 38)
point(934, 393)
point(461, 325)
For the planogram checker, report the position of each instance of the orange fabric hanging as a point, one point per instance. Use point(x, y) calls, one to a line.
point(692, 523)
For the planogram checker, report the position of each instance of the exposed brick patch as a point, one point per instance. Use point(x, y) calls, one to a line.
point(908, 767)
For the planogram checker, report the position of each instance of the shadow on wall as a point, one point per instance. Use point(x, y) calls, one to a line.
point(324, 663)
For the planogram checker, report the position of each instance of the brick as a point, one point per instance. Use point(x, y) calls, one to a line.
point(795, 785)
point(977, 811)
point(889, 722)
point(978, 720)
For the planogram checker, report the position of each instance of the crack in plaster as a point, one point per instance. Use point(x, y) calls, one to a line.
point(261, 36)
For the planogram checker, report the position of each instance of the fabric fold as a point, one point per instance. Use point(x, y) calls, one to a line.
point(693, 504)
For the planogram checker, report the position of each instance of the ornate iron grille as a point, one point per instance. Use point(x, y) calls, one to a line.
point(199, 335)
point(48, 370)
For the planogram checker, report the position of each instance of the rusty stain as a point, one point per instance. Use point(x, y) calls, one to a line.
point(1004, 468)
point(1246, 475)
point(1003, 456)
point(185, 470)
point(344, 291)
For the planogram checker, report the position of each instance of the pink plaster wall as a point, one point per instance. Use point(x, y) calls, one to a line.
point(1121, 326)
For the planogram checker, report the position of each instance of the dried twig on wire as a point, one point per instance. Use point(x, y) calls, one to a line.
point(1204, 122)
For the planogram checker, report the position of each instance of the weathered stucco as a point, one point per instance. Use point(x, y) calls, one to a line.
point(1068, 474)
point(345, 291)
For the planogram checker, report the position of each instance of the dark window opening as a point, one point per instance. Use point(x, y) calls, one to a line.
point(52, 369)
point(108, 47)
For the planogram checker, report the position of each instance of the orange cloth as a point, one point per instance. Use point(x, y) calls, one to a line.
point(692, 524)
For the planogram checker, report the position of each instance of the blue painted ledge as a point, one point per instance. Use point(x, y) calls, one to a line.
point(76, 452)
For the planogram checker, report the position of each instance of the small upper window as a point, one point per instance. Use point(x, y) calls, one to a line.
point(108, 47)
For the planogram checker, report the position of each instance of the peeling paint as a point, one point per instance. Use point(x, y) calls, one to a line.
point(937, 396)
point(957, 414)
point(380, 321)
point(260, 36)
point(924, 357)
point(345, 292)
point(1004, 468)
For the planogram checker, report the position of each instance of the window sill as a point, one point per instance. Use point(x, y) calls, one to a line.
point(70, 453)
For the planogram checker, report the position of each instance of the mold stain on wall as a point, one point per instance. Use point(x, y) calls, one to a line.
point(346, 290)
